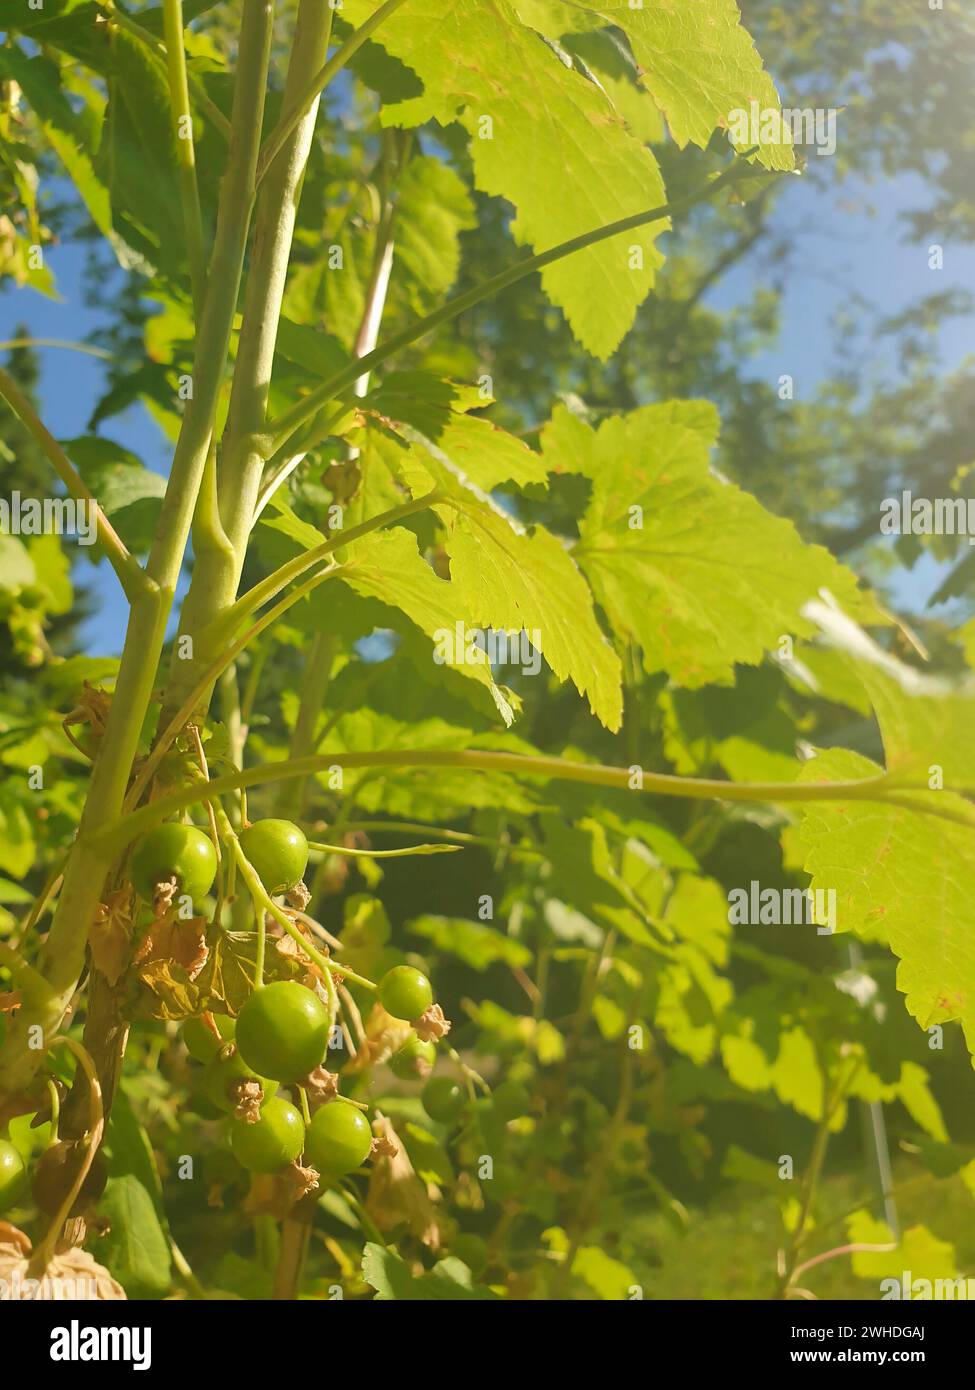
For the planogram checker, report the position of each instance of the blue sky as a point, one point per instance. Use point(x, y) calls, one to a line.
point(846, 242)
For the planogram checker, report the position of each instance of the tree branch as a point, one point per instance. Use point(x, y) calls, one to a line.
point(290, 420)
point(130, 573)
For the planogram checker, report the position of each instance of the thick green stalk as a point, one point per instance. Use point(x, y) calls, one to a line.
point(63, 956)
point(873, 789)
point(217, 568)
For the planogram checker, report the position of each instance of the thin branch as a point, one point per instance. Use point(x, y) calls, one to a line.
point(212, 112)
point(64, 343)
point(189, 706)
point(290, 420)
point(871, 789)
point(179, 100)
point(130, 573)
point(317, 84)
point(263, 592)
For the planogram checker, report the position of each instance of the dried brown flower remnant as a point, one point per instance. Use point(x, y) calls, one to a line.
point(432, 1026)
point(248, 1097)
point(276, 1193)
point(73, 1275)
point(298, 897)
point(397, 1195)
point(321, 1085)
point(384, 1036)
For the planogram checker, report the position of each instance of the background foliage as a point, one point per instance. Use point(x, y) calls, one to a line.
point(574, 914)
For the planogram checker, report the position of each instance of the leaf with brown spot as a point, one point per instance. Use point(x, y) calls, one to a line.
point(110, 936)
point(169, 993)
point(179, 940)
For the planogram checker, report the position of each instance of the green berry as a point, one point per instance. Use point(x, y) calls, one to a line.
point(510, 1100)
point(13, 1174)
point(174, 851)
point(226, 1069)
point(414, 1059)
point(405, 992)
point(339, 1139)
point(443, 1099)
point(273, 1141)
point(278, 850)
point(283, 1030)
point(472, 1249)
point(199, 1040)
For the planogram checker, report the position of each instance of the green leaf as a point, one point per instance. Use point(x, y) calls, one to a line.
point(925, 722)
point(137, 159)
point(615, 69)
point(390, 1276)
point(478, 450)
point(16, 567)
point(17, 845)
point(72, 135)
point(13, 892)
point(135, 1250)
point(130, 1150)
point(903, 877)
point(432, 208)
point(472, 942)
point(387, 565)
point(918, 1250)
point(429, 1158)
point(514, 579)
point(690, 567)
point(607, 1277)
point(701, 66)
point(542, 136)
point(128, 493)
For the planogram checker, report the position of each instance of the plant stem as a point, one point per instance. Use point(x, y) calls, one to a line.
point(287, 423)
point(518, 764)
point(179, 97)
point(130, 573)
point(44, 1253)
point(383, 853)
point(63, 954)
point(222, 628)
point(310, 93)
point(832, 1099)
point(311, 696)
point(213, 113)
point(295, 1234)
point(217, 569)
point(265, 903)
point(209, 678)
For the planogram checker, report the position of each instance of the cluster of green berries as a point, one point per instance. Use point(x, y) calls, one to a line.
point(277, 849)
point(280, 1036)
